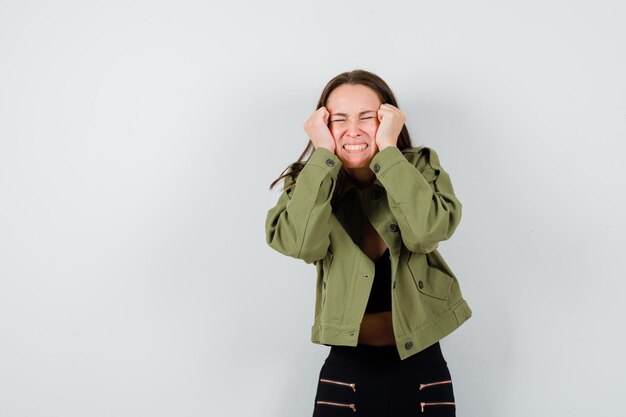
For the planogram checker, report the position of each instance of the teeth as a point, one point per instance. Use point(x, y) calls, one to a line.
point(355, 147)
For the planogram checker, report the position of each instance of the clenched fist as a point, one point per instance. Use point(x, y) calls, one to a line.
point(316, 128)
point(391, 122)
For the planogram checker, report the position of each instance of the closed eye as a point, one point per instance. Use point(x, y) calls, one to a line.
point(343, 120)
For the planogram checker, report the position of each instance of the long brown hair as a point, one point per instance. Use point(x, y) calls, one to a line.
point(357, 76)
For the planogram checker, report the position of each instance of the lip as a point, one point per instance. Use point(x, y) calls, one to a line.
point(355, 144)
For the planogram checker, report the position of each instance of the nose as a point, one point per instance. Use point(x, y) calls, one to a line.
point(353, 127)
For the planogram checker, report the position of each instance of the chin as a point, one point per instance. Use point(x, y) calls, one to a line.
point(356, 163)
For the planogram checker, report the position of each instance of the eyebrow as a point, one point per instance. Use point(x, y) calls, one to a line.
point(360, 114)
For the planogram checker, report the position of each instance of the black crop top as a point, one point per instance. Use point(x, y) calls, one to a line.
point(380, 296)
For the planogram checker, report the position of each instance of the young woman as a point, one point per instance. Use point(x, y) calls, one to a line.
point(368, 209)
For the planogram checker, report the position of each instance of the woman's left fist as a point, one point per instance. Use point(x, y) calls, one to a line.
point(391, 121)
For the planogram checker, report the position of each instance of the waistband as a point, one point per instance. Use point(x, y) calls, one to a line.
point(384, 356)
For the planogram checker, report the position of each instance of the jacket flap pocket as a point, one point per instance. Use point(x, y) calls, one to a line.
point(428, 279)
point(437, 284)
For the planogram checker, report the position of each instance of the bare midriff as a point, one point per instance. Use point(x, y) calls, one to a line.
point(376, 328)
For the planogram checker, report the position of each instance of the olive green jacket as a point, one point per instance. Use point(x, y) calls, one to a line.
point(412, 205)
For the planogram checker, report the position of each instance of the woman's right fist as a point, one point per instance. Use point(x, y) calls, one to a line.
point(316, 127)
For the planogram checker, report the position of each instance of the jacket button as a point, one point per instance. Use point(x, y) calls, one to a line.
point(376, 168)
point(330, 162)
point(393, 227)
point(420, 284)
point(408, 345)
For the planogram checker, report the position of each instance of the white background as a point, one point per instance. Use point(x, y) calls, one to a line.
point(137, 143)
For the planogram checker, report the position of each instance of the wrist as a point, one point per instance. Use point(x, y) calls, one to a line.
point(385, 145)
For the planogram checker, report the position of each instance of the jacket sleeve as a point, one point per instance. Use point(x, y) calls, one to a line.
point(422, 200)
point(299, 224)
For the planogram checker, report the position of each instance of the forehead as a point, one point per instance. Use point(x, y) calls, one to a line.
point(349, 98)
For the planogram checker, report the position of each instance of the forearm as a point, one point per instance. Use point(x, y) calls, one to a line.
point(299, 224)
point(423, 202)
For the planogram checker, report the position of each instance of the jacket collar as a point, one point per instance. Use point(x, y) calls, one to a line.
point(348, 185)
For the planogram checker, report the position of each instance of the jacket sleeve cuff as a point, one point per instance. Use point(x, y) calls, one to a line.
point(385, 159)
point(325, 158)
point(314, 177)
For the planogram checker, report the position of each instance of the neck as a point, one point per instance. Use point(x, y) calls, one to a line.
point(362, 177)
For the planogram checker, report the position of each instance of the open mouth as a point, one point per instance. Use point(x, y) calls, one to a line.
point(356, 148)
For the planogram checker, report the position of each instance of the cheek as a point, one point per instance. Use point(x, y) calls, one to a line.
point(336, 132)
point(373, 128)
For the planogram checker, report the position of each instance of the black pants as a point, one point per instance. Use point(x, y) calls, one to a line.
point(372, 381)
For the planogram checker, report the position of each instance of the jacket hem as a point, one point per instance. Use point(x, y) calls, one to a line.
point(407, 344)
point(418, 340)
